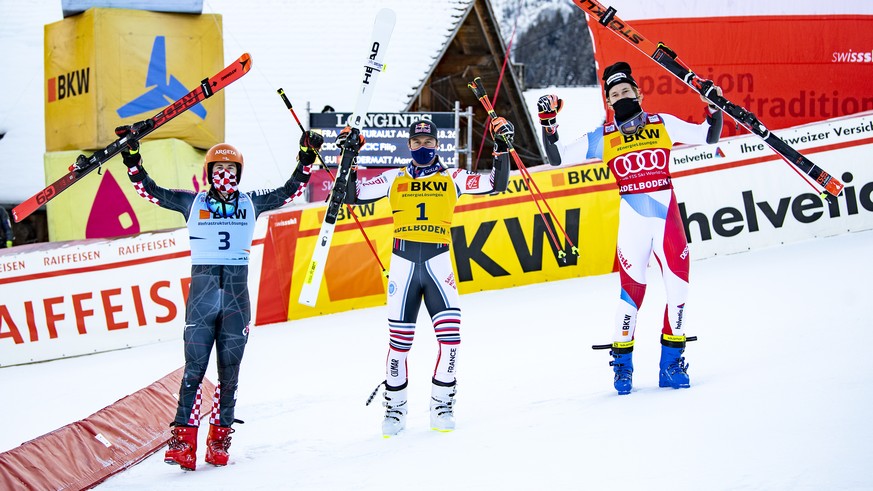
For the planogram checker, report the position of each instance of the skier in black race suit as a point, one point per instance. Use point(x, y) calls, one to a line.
point(221, 223)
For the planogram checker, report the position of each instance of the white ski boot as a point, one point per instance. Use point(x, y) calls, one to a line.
point(442, 402)
point(395, 411)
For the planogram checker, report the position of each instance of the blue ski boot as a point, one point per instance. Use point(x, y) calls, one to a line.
point(623, 366)
point(674, 370)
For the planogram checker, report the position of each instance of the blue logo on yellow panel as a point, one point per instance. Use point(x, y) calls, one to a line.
point(163, 90)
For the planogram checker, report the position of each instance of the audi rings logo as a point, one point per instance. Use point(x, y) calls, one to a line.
point(654, 159)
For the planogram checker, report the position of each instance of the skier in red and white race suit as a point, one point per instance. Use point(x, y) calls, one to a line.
point(636, 146)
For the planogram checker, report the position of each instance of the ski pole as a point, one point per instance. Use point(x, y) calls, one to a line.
point(608, 346)
point(318, 155)
point(479, 91)
point(531, 184)
point(526, 173)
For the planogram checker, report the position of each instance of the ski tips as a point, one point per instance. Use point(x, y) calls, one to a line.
point(245, 62)
point(386, 15)
point(834, 187)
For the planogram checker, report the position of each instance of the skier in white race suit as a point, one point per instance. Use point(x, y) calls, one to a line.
point(422, 197)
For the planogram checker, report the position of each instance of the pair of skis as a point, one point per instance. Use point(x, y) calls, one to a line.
point(85, 165)
point(383, 27)
point(664, 56)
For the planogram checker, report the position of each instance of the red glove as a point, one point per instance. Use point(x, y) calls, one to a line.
point(548, 107)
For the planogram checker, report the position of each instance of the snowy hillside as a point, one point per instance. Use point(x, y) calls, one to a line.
point(777, 402)
point(520, 14)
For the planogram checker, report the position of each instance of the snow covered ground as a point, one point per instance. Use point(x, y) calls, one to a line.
point(782, 385)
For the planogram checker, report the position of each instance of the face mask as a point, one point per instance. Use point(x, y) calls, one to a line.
point(224, 180)
point(629, 115)
point(423, 155)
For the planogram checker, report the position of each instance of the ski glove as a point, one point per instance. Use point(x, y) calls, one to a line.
point(712, 108)
point(548, 107)
point(130, 154)
point(310, 143)
point(502, 132)
point(344, 135)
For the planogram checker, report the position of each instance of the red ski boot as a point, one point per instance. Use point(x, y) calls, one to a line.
point(183, 448)
point(217, 443)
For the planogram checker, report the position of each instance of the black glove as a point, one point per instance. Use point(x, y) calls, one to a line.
point(502, 132)
point(302, 172)
point(344, 135)
point(130, 154)
point(310, 143)
point(548, 107)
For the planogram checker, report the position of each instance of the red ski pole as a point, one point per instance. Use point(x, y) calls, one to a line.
point(476, 87)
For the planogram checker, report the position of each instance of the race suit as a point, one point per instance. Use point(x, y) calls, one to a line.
point(423, 204)
point(218, 311)
point(649, 219)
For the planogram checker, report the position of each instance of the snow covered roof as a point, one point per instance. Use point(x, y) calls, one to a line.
point(316, 50)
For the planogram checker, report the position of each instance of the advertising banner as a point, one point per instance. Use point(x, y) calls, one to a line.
point(497, 241)
point(108, 67)
point(74, 298)
point(321, 183)
point(738, 195)
point(106, 204)
point(386, 133)
point(90, 296)
point(761, 63)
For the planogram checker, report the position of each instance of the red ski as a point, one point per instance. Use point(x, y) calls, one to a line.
point(84, 165)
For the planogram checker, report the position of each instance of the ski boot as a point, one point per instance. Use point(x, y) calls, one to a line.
point(623, 366)
point(442, 402)
point(183, 447)
point(395, 410)
point(674, 370)
point(217, 444)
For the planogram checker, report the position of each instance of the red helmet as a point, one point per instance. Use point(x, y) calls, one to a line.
point(224, 152)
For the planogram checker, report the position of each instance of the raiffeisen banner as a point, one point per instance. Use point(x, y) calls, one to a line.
point(84, 297)
point(108, 67)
